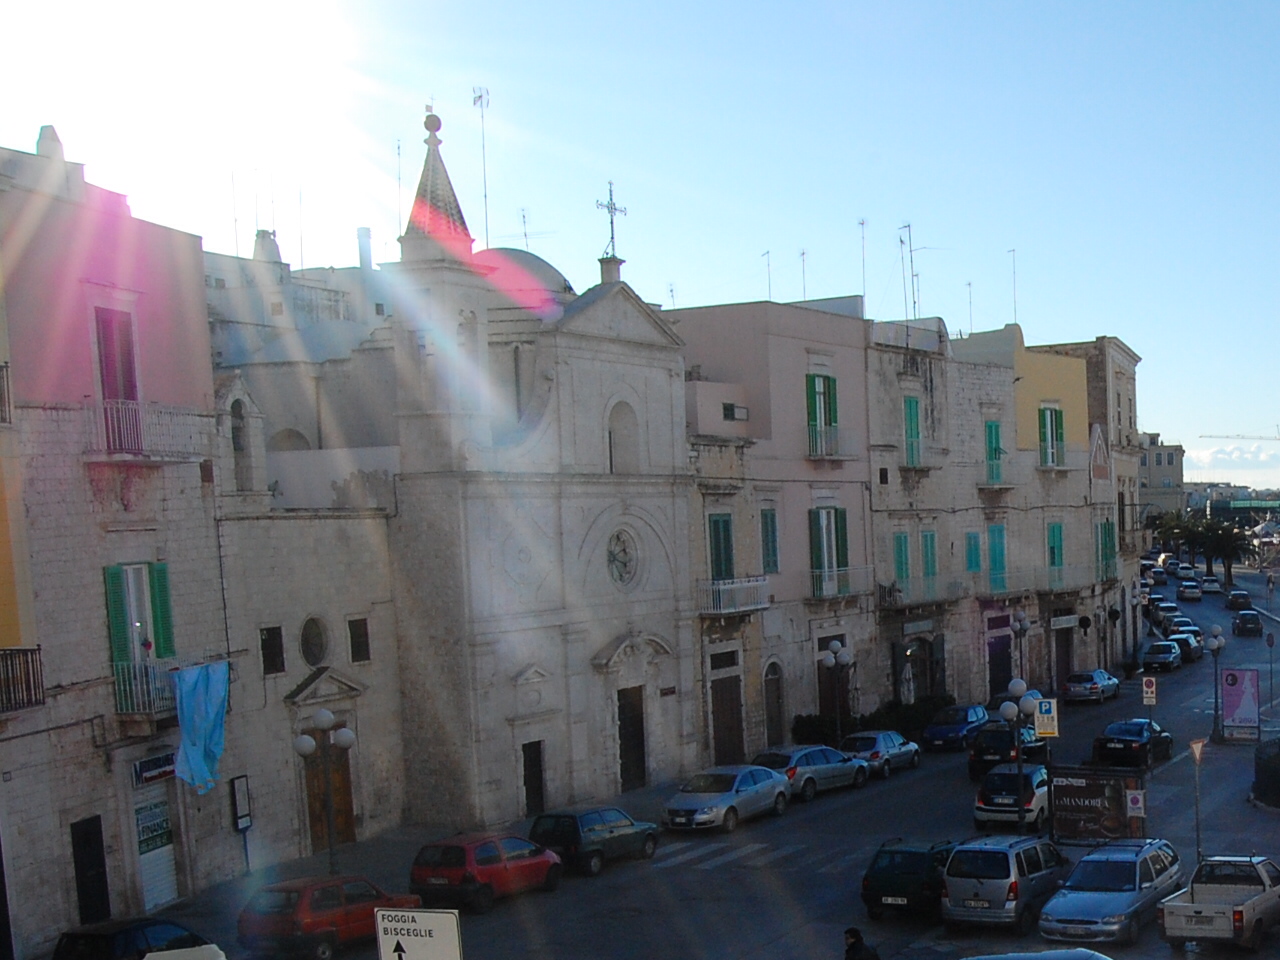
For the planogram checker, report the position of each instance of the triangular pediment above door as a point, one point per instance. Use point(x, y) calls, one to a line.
point(323, 685)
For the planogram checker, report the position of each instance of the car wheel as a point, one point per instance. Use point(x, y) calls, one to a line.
point(593, 864)
point(323, 949)
point(552, 879)
point(730, 821)
point(915, 759)
point(886, 769)
point(1037, 822)
point(649, 848)
point(779, 804)
point(1131, 931)
point(1026, 922)
point(860, 777)
point(808, 790)
point(482, 899)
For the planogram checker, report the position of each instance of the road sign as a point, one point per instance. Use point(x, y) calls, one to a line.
point(1047, 717)
point(1196, 747)
point(418, 934)
point(1136, 802)
point(1148, 691)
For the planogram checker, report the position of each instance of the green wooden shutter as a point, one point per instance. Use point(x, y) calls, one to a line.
point(832, 416)
point(995, 548)
point(1044, 437)
point(842, 538)
point(811, 397)
point(928, 553)
point(815, 540)
point(1058, 427)
point(1055, 545)
point(161, 614)
point(993, 451)
point(911, 429)
point(769, 540)
point(117, 614)
point(720, 530)
point(973, 552)
point(901, 558)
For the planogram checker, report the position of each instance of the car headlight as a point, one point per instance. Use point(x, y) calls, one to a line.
point(1116, 918)
point(707, 812)
point(1045, 916)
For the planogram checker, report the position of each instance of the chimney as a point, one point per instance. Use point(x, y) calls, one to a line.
point(611, 269)
point(366, 255)
point(49, 145)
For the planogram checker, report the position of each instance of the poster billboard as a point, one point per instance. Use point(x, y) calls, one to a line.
point(1240, 704)
point(1093, 803)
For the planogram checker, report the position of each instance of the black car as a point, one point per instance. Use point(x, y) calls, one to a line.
point(993, 744)
point(1133, 743)
point(587, 838)
point(1247, 623)
point(906, 875)
point(1239, 600)
point(125, 939)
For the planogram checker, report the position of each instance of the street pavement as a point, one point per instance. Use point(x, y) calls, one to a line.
point(775, 858)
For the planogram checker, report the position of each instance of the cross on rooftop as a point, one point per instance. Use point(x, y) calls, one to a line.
point(611, 250)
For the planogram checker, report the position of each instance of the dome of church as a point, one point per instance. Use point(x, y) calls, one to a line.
point(525, 277)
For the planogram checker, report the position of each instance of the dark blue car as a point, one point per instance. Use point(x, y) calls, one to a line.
point(953, 727)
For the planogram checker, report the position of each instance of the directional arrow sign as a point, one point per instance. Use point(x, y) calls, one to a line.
point(1196, 747)
point(418, 934)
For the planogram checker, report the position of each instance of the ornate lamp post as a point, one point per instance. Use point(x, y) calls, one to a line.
point(1020, 628)
point(837, 658)
point(304, 745)
point(1215, 644)
point(1016, 714)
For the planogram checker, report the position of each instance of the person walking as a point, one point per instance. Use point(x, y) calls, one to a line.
point(855, 948)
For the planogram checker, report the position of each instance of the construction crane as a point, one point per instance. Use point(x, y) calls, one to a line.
point(1237, 436)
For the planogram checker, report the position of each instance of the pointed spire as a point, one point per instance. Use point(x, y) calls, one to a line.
point(436, 212)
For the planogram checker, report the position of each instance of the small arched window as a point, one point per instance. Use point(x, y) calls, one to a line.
point(240, 447)
point(624, 440)
point(775, 731)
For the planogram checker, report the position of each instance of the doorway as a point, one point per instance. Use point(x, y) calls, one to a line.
point(89, 857)
point(775, 730)
point(999, 663)
point(344, 821)
point(534, 781)
point(631, 755)
point(726, 720)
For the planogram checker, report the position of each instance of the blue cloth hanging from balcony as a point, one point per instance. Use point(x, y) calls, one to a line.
point(201, 696)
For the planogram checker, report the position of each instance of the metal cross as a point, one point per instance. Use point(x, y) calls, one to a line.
point(611, 250)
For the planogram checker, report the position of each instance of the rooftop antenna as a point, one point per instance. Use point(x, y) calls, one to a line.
point(902, 259)
point(915, 277)
point(399, 196)
point(768, 271)
point(671, 292)
point(1015, 284)
point(863, 225)
point(970, 286)
point(302, 261)
point(804, 287)
point(235, 215)
point(524, 222)
point(480, 98)
point(612, 249)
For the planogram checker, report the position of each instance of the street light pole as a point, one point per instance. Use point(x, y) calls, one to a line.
point(837, 658)
point(305, 745)
point(1216, 642)
point(1015, 714)
point(1020, 628)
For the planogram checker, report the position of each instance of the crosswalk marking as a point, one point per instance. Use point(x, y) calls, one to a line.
point(690, 855)
point(838, 865)
point(667, 849)
point(775, 855)
point(732, 855)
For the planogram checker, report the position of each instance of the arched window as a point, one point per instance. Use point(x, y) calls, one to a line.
point(775, 727)
point(287, 439)
point(624, 440)
point(240, 447)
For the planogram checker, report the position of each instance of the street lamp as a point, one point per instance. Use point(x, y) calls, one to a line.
point(304, 745)
point(1015, 715)
point(1020, 628)
point(1215, 644)
point(1135, 601)
point(837, 658)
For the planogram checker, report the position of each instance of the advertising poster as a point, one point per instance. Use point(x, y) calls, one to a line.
point(1240, 704)
point(1094, 804)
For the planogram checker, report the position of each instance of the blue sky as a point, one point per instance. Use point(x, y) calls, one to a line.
point(1127, 151)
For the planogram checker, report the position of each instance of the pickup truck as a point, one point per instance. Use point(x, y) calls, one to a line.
point(1230, 899)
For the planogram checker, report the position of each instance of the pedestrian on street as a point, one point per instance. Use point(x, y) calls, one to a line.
point(855, 948)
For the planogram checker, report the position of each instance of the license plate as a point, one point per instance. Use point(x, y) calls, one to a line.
point(680, 820)
point(1199, 921)
point(1003, 799)
point(977, 903)
point(895, 900)
point(936, 743)
point(438, 880)
point(992, 756)
point(1112, 745)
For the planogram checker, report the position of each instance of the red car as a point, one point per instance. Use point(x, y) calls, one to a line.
point(313, 915)
point(475, 869)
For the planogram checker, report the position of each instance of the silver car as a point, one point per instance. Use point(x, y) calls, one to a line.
point(1091, 685)
point(882, 750)
point(1112, 892)
point(722, 796)
point(1001, 881)
point(813, 768)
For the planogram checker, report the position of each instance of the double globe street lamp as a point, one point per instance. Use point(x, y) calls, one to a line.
point(1215, 643)
point(837, 657)
point(1015, 715)
point(304, 745)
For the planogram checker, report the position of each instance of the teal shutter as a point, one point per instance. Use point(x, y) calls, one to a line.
point(995, 555)
point(993, 451)
point(1044, 437)
point(811, 397)
point(117, 614)
point(832, 416)
point(842, 538)
point(1055, 545)
point(973, 552)
point(720, 531)
point(911, 429)
point(815, 540)
point(928, 553)
point(161, 614)
point(901, 558)
point(769, 540)
point(1059, 421)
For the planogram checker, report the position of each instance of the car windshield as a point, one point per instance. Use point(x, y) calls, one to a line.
point(83, 946)
point(774, 761)
point(709, 783)
point(1005, 784)
point(1080, 678)
point(979, 865)
point(1159, 649)
point(997, 737)
point(274, 901)
point(441, 855)
point(1127, 730)
point(951, 715)
point(1102, 876)
point(860, 744)
point(900, 861)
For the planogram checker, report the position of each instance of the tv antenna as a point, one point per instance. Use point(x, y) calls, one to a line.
point(863, 225)
point(768, 271)
point(480, 98)
point(1014, 252)
point(804, 286)
point(613, 210)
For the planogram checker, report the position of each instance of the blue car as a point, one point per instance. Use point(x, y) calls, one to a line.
point(953, 727)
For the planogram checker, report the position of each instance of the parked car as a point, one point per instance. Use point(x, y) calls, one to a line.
point(1158, 576)
point(1133, 743)
point(1171, 567)
point(126, 939)
point(1210, 585)
point(881, 750)
point(1112, 892)
point(1172, 625)
point(1229, 900)
point(585, 839)
point(1239, 600)
point(994, 704)
point(1247, 623)
point(723, 796)
point(1001, 795)
point(1189, 645)
point(809, 769)
point(1161, 610)
point(953, 727)
point(1162, 655)
point(1001, 880)
point(314, 915)
point(1091, 685)
point(994, 744)
point(1186, 572)
point(906, 875)
point(474, 869)
point(1189, 590)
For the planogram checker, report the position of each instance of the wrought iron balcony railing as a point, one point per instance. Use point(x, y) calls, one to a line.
point(732, 596)
point(130, 427)
point(21, 678)
point(840, 582)
point(831, 443)
point(145, 688)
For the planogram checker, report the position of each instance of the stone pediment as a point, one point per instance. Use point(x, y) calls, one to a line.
point(627, 646)
point(323, 685)
point(613, 311)
point(1099, 454)
point(531, 674)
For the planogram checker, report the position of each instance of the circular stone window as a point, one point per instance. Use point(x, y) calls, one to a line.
point(622, 557)
point(315, 646)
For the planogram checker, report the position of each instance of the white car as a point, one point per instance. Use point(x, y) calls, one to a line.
point(999, 796)
point(1210, 585)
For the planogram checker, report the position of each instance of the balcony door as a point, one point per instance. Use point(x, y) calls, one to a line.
point(118, 375)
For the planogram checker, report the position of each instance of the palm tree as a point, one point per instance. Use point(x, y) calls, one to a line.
point(1229, 545)
point(1195, 534)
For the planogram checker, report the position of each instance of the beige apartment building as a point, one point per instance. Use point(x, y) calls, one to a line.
point(1160, 476)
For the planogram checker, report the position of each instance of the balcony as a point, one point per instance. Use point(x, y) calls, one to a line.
point(723, 597)
point(145, 688)
point(1053, 456)
point(831, 443)
point(922, 590)
point(840, 582)
point(1033, 580)
point(21, 678)
point(130, 429)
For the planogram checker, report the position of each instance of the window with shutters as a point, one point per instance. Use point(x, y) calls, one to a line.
point(1053, 449)
point(1055, 545)
point(820, 403)
point(901, 558)
point(911, 430)
point(829, 551)
point(720, 537)
point(973, 552)
point(118, 378)
point(769, 540)
point(139, 619)
point(928, 554)
point(1104, 541)
point(995, 556)
point(995, 472)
